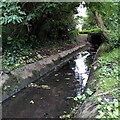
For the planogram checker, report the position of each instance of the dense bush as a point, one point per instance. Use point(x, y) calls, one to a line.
point(37, 22)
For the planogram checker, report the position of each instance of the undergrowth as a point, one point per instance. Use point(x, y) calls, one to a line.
point(108, 75)
point(15, 57)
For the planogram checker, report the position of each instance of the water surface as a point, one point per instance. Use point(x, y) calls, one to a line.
point(52, 96)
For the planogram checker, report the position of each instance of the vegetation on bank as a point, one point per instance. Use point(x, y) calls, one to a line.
point(105, 93)
point(109, 72)
point(108, 84)
point(36, 29)
point(30, 29)
point(103, 87)
point(21, 57)
point(28, 26)
point(103, 17)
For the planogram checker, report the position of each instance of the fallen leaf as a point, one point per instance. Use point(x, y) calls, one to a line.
point(95, 67)
point(45, 87)
point(39, 56)
point(69, 73)
point(67, 78)
point(13, 96)
point(56, 74)
point(32, 102)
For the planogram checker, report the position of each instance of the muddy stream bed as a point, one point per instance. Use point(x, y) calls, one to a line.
point(52, 96)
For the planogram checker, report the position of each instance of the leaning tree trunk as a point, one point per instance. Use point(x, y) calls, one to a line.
point(101, 24)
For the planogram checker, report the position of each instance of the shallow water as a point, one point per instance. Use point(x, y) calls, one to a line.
point(52, 96)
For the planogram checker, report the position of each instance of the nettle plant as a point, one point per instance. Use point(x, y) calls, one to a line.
point(108, 109)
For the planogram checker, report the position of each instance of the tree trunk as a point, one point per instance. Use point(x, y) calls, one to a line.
point(101, 24)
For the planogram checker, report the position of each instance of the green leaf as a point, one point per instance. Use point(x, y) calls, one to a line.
point(89, 92)
point(109, 108)
point(99, 99)
point(83, 97)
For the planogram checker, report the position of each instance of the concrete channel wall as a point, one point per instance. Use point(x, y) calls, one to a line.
point(19, 78)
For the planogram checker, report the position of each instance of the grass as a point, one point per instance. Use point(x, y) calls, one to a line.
point(108, 72)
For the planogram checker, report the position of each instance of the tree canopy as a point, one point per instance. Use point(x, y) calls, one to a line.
point(27, 25)
point(108, 11)
point(42, 22)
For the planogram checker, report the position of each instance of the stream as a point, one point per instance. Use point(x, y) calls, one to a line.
point(52, 96)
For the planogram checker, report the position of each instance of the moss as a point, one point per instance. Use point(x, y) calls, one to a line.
point(49, 66)
point(11, 84)
point(35, 72)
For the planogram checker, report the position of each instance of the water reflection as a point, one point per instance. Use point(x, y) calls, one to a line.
point(81, 70)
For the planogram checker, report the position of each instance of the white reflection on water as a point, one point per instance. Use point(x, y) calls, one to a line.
point(81, 70)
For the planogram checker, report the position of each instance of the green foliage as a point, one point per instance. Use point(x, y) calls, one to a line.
point(107, 75)
point(107, 57)
point(108, 109)
point(11, 13)
point(14, 58)
point(34, 24)
point(108, 72)
point(89, 91)
point(108, 11)
point(94, 29)
point(89, 21)
point(110, 17)
point(47, 22)
point(79, 98)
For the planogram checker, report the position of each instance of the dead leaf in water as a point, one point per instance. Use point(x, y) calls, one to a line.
point(57, 80)
point(70, 97)
point(67, 78)
point(13, 96)
point(32, 102)
point(56, 74)
point(39, 56)
point(41, 98)
point(69, 73)
point(95, 67)
point(65, 116)
point(45, 87)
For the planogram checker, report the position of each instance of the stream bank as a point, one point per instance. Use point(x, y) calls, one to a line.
point(53, 95)
point(60, 88)
point(104, 82)
point(19, 78)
